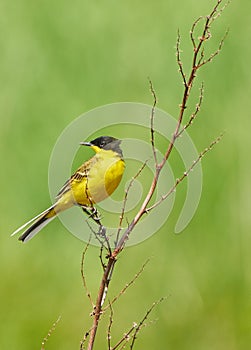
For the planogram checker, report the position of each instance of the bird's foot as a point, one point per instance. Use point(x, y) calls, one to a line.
point(102, 231)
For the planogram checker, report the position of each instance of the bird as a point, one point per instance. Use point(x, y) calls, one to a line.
point(94, 180)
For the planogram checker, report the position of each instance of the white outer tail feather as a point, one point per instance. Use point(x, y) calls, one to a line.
point(32, 221)
point(37, 229)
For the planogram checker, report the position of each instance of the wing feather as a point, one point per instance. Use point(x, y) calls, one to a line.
point(81, 173)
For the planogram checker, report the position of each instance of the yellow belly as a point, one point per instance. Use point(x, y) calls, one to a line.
point(103, 178)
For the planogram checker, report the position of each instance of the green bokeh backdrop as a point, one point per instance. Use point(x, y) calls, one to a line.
point(60, 59)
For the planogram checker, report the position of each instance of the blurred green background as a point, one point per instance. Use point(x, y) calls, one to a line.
point(60, 59)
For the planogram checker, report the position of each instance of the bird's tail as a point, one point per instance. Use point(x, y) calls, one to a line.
point(36, 224)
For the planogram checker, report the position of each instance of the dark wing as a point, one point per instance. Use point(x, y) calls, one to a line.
point(82, 172)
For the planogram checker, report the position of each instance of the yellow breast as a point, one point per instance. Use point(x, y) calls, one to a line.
point(104, 175)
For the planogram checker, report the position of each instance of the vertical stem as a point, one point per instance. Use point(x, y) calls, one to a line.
point(98, 305)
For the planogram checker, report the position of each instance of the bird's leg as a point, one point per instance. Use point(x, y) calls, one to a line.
point(93, 213)
point(86, 211)
point(97, 218)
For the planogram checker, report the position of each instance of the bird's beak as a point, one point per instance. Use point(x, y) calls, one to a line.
point(85, 144)
point(96, 149)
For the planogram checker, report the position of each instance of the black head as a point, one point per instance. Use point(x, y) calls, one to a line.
point(106, 143)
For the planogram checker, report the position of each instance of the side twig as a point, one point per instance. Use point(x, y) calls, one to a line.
point(129, 284)
point(134, 330)
point(121, 218)
point(83, 274)
point(152, 122)
point(50, 333)
point(194, 114)
point(141, 323)
point(109, 337)
point(185, 174)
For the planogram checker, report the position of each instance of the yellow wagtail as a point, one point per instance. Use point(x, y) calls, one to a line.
point(94, 181)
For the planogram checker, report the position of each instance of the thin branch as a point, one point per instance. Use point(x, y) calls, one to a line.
point(121, 218)
point(178, 55)
point(123, 346)
point(83, 274)
point(194, 114)
point(126, 286)
point(49, 333)
point(125, 337)
point(100, 236)
point(84, 339)
point(185, 174)
point(129, 284)
point(97, 236)
point(202, 55)
point(110, 327)
point(101, 251)
point(205, 33)
point(138, 328)
point(198, 47)
point(219, 11)
point(195, 24)
point(202, 61)
point(98, 305)
point(152, 122)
